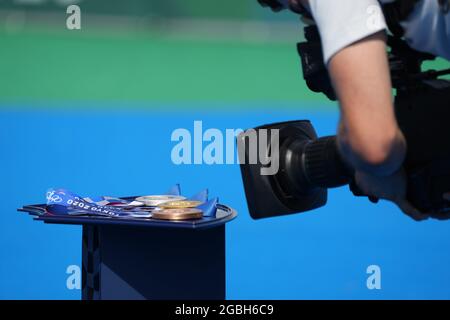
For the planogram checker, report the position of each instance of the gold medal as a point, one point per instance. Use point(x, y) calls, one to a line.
point(178, 214)
point(180, 204)
point(153, 201)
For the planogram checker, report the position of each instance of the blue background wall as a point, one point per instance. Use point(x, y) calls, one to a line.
point(321, 254)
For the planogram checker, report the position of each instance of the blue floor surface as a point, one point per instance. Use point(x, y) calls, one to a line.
point(322, 254)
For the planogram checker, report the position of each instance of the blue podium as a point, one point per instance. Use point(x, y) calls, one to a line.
point(148, 258)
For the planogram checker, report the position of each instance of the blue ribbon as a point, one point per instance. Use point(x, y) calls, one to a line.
point(61, 201)
point(64, 202)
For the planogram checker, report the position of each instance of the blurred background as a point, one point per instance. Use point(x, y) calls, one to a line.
point(149, 50)
point(92, 110)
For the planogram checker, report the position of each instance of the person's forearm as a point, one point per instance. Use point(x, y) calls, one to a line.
point(389, 160)
point(368, 137)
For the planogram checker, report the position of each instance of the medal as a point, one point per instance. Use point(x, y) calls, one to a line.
point(156, 200)
point(180, 204)
point(178, 214)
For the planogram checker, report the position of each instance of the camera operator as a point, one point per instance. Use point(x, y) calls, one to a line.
point(353, 36)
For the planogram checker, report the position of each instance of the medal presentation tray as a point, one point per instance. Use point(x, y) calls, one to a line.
point(144, 258)
point(223, 215)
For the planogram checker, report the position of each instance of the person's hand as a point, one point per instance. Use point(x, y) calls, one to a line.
point(392, 188)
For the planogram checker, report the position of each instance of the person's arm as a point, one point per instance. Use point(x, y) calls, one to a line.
point(354, 50)
point(368, 136)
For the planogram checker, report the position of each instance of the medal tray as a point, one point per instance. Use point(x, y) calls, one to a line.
point(223, 215)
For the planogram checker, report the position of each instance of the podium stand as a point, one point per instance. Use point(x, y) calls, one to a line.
point(149, 259)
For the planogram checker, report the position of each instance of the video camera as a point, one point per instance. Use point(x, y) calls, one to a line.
point(309, 165)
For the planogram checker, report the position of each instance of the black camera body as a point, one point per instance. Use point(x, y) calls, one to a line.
point(424, 118)
point(309, 165)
